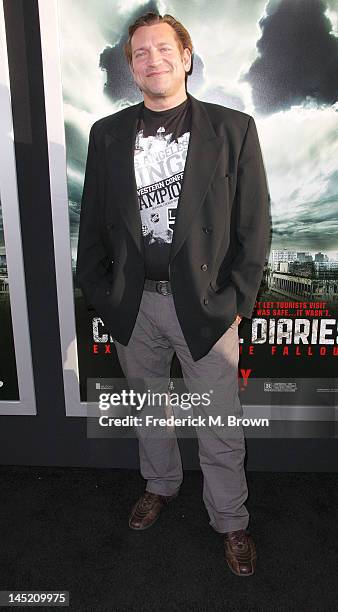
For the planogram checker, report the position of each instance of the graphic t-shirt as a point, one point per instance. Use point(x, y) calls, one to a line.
point(161, 147)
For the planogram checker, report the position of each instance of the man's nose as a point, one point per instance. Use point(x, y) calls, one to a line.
point(154, 57)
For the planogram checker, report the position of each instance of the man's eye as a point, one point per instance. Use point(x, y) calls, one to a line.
point(165, 48)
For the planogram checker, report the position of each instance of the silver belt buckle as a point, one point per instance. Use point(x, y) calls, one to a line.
point(161, 287)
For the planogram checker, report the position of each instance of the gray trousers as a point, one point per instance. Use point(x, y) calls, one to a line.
point(156, 336)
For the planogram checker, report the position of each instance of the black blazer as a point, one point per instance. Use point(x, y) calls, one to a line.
point(221, 232)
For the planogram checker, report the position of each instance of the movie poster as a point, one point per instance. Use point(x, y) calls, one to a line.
point(8, 375)
point(17, 394)
point(277, 61)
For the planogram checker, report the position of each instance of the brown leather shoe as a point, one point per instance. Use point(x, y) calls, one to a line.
point(147, 510)
point(240, 552)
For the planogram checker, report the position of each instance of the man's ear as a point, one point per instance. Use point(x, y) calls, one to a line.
point(132, 74)
point(186, 58)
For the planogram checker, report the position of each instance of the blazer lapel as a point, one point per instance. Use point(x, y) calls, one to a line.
point(203, 153)
point(119, 140)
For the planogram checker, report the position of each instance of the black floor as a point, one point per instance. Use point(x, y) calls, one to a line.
point(66, 529)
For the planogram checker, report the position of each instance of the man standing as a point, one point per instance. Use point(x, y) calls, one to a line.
point(173, 236)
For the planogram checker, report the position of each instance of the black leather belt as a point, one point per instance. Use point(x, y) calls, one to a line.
point(163, 287)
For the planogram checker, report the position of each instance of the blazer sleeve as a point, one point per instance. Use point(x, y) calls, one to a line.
point(92, 259)
point(252, 222)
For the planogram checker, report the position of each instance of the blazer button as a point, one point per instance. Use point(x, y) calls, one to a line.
point(207, 230)
point(108, 292)
point(110, 225)
point(204, 267)
point(205, 301)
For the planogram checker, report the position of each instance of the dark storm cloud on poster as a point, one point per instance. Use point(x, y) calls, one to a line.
point(278, 62)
